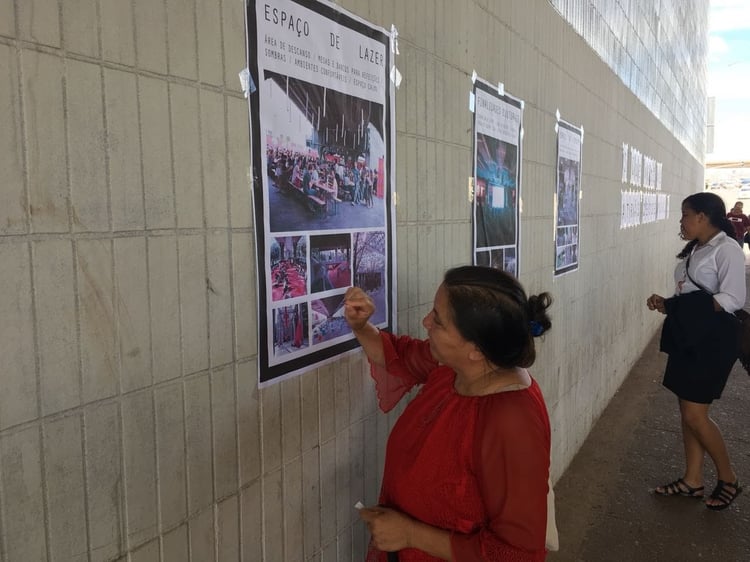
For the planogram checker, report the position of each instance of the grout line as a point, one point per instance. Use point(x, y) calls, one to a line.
point(3, 536)
point(45, 492)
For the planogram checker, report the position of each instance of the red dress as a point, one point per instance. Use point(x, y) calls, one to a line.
point(475, 465)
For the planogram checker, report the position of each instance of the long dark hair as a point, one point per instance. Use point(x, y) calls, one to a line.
point(713, 207)
point(491, 310)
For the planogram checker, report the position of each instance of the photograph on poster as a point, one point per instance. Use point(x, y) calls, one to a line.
point(328, 320)
point(330, 266)
point(369, 265)
point(567, 236)
point(288, 258)
point(566, 256)
point(504, 258)
point(289, 329)
point(567, 192)
point(495, 192)
point(325, 157)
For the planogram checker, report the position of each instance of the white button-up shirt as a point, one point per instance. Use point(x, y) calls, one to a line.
point(719, 266)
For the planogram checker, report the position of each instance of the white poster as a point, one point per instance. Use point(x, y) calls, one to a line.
point(497, 174)
point(322, 152)
point(567, 197)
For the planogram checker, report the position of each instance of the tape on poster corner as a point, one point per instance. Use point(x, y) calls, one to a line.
point(557, 114)
point(394, 39)
point(473, 76)
point(557, 128)
point(247, 83)
point(500, 89)
point(472, 101)
point(395, 76)
point(581, 134)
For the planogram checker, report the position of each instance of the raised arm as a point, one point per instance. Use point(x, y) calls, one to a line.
point(358, 309)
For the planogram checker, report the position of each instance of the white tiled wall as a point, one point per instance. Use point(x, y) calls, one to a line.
point(131, 425)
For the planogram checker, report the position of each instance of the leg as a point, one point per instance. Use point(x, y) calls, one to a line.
point(694, 454)
point(691, 483)
point(707, 436)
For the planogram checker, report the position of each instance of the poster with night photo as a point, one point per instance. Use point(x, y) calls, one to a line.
point(567, 197)
point(321, 124)
point(497, 177)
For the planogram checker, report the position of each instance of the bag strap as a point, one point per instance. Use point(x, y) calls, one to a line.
point(702, 288)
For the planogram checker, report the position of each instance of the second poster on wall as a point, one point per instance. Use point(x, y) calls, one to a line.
point(496, 177)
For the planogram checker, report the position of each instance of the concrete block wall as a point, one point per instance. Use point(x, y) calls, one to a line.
point(131, 426)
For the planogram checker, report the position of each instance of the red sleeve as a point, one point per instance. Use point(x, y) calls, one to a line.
point(745, 221)
point(408, 362)
point(513, 457)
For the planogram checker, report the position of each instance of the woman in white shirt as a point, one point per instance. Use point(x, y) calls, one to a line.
point(700, 336)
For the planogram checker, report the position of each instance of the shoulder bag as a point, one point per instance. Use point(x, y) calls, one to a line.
point(743, 325)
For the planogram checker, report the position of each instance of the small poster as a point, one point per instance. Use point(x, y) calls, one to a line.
point(321, 130)
point(567, 197)
point(497, 178)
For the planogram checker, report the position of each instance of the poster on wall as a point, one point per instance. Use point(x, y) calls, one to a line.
point(496, 178)
point(567, 197)
point(321, 138)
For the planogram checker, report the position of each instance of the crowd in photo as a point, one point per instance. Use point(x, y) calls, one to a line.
point(329, 177)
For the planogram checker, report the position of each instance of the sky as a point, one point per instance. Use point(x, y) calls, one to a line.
point(729, 78)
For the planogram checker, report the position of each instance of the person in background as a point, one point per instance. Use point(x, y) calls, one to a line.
point(700, 337)
point(740, 222)
point(357, 190)
point(466, 473)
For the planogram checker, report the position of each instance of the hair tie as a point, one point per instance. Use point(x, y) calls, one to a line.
point(536, 328)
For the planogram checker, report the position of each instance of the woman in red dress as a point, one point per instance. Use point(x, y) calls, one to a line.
point(467, 463)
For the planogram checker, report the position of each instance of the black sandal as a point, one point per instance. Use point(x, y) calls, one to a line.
point(726, 493)
point(679, 488)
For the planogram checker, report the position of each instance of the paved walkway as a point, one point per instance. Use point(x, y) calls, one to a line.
point(605, 511)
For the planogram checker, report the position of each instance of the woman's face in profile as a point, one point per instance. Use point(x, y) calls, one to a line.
point(691, 223)
point(446, 343)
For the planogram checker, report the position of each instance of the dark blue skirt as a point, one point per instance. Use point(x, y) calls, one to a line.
point(699, 373)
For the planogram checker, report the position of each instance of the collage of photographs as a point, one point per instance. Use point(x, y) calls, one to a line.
point(309, 276)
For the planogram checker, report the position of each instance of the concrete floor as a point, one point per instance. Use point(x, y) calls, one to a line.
point(605, 510)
